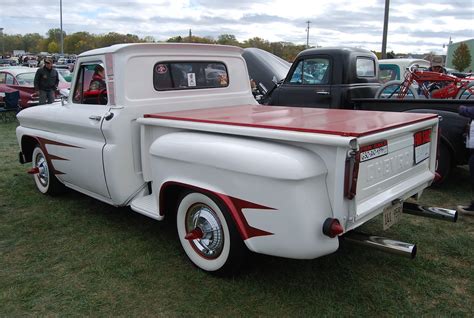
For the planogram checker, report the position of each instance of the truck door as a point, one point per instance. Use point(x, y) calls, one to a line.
point(80, 140)
point(307, 84)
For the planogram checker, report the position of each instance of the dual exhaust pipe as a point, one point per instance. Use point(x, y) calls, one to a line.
point(397, 247)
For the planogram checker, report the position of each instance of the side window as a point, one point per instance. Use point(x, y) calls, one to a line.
point(2, 78)
point(311, 71)
point(388, 72)
point(9, 79)
point(189, 75)
point(387, 75)
point(365, 67)
point(296, 77)
point(90, 85)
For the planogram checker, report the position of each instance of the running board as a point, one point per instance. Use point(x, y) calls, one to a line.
point(146, 205)
point(381, 243)
point(430, 212)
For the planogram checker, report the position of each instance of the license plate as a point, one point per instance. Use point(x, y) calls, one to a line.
point(422, 152)
point(392, 214)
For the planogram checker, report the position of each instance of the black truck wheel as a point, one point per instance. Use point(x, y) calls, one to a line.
point(444, 163)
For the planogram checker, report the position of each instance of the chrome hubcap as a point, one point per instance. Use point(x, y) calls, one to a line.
point(211, 242)
point(43, 169)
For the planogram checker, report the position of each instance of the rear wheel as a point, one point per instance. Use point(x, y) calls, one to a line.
point(392, 89)
point(208, 234)
point(467, 92)
point(46, 181)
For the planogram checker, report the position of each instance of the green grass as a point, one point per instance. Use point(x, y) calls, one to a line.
point(75, 256)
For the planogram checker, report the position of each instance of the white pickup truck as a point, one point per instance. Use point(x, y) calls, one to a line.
point(175, 132)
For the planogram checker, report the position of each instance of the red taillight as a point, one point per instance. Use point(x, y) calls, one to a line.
point(350, 176)
point(332, 227)
point(422, 137)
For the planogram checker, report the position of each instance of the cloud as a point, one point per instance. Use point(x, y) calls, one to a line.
point(416, 27)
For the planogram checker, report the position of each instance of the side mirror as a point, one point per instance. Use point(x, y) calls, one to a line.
point(262, 89)
point(64, 92)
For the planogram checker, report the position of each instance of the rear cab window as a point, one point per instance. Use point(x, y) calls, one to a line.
point(175, 75)
point(365, 67)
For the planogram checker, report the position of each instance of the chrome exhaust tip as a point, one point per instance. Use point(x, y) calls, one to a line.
point(430, 212)
point(382, 244)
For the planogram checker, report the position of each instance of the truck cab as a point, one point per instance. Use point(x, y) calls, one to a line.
point(328, 78)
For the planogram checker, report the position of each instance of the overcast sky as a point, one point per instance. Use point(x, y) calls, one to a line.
point(414, 26)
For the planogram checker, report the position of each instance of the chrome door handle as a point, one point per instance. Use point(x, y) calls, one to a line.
point(323, 93)
point(95, 117)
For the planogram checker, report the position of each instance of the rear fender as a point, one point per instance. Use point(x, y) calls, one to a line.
point(239, 154)
point(272, 190)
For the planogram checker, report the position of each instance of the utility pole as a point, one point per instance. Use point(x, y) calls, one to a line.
point(307, 34)
point(3, 43)
point(385, 28)
point(61, 24)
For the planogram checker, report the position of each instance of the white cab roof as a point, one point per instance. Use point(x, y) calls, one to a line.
point(157, 47)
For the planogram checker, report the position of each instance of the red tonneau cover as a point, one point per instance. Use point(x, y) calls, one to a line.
point(314, 120)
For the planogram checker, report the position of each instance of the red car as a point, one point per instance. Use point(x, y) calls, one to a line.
point(22, 79)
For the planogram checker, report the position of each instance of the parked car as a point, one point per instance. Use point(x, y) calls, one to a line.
point(264, 67)
point(7, 62)
point(64, 71)
point(394, 69)
point(22, 79)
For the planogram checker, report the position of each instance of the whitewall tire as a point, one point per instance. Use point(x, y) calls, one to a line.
point(216, 246)
point(46, 181)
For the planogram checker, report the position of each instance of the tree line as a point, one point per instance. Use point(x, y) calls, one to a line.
point(79, 42)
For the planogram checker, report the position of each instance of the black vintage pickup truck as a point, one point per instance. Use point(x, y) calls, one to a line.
point(348, 78)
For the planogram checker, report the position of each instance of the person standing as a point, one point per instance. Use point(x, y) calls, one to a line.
point(469, 113)
point(46, 82)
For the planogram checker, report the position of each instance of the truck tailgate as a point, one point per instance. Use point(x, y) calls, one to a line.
point(393, 166)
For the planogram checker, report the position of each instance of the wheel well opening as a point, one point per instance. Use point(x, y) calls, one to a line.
point(169, 197)
point(27, 146)
point(172, 193)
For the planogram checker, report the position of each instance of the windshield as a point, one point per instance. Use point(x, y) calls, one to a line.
point(63, 72)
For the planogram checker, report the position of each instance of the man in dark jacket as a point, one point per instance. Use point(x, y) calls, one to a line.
point(46, 82)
